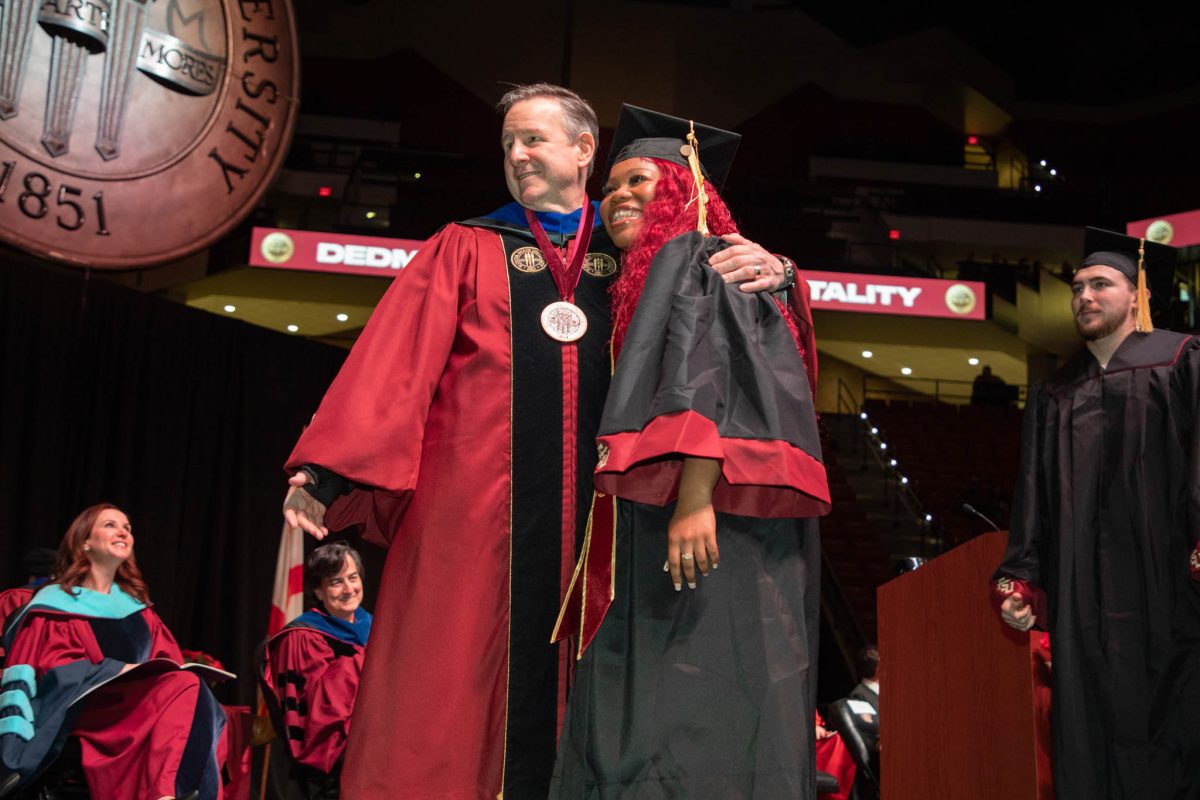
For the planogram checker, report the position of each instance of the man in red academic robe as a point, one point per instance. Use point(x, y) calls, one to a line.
point(461, 433)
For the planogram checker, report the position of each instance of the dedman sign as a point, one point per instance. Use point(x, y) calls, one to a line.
point(833, 291)
point(375, 256)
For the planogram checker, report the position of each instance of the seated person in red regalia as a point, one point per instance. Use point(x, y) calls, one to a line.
point(151, 733)
point(37, 563)
point(313, 665)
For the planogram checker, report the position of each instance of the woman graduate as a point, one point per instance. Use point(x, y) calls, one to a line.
point(709, 440)
point(149, 734)
point(313, 665)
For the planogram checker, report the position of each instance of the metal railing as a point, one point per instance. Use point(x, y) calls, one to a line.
point(943, 390)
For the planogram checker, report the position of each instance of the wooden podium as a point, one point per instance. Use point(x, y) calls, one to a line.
point(964, 699)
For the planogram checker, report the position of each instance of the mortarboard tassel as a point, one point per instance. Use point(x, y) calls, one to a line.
point(701, 198)
point(1144, 323)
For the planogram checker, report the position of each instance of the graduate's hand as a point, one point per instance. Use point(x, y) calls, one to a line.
point(1017, 613)
point(302, 510)
point(691, 544)
point(738, 263)
point(692, 531)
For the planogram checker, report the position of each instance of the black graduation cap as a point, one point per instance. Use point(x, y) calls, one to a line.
point(642, 133)
point(1116, 250)
point(39, 561)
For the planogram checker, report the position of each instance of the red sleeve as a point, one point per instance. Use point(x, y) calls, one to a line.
point(12, 599)
point(162, 643)
point(47, 640)
point(1005, 585)
point(315, 688)
point(834, 757)
point(799, 297)
point(370, 426)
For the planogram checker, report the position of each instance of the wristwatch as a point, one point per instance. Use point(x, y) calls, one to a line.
point(789, 273)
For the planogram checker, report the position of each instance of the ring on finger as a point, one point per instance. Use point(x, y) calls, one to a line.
point(757, 270)
point(686, 556)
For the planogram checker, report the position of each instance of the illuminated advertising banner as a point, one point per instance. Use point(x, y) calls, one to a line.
point(888, 294)
point(1177, 230)
point(376, 256)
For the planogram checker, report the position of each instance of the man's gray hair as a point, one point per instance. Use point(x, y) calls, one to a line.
point(578, 116)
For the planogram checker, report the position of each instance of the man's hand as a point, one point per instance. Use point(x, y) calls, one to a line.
point(748, 262)
point(302, 510)
point(1017, 613)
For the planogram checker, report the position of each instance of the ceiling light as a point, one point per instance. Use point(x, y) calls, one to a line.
point(293, 328)
point(906, 370)
point(867, 354)
point(1042, 162)
point(229, 307)
point(370, 215)
point(343, 317)
point(974, 362)
point(1053, 172)
point(416, 176)
point(1037, 187)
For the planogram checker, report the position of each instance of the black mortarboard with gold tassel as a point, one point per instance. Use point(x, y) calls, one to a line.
point(1150, 266)
point(642, 133)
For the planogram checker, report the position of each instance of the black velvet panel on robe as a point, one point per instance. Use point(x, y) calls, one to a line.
point(1105, 514)
point(541, 389)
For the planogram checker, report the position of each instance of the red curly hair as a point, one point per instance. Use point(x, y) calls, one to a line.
point(668, 215)
point(74, 564)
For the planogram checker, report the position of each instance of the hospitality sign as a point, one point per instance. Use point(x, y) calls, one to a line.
point(889, 294)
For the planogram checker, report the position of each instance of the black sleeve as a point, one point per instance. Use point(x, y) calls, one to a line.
point(324, 485)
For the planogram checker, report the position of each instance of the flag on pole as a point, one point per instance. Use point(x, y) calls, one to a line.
point(287, 601)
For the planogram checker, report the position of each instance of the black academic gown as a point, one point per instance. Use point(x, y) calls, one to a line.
point(1105, 514)
point(707, 693)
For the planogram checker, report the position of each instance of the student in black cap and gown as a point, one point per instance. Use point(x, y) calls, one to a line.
point(1103, 547)
point(709, 440)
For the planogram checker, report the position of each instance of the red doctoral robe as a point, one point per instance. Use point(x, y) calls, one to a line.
point(469, 437)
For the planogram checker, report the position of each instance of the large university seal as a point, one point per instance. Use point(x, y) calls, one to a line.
point(137, 131)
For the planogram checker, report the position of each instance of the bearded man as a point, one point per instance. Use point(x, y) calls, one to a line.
point(1103, 549)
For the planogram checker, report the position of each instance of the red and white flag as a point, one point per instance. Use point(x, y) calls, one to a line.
point(287, 601)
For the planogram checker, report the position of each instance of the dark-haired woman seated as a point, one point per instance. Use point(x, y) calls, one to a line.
point(709, 440)
point(151, 734)
point(314, 664)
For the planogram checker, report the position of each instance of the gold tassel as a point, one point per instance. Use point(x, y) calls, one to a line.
point(700, 197)
point(1144, 323)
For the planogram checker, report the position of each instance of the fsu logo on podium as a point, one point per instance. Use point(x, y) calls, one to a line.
point(137, 131)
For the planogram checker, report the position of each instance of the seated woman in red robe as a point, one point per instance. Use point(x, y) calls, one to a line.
point(709, 440)
point(313, 665)
point(151, 733)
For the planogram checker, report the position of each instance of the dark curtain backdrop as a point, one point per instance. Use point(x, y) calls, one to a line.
point(180, 417)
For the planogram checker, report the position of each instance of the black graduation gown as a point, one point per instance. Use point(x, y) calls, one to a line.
point(707, 693)
point(1105, 514)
